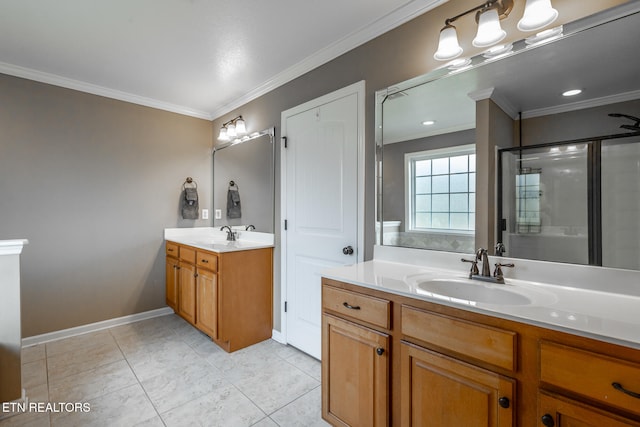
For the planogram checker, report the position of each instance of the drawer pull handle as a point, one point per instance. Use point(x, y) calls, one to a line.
point(619, 387)
point(504, 402)
point(351, 307)
point(205, 261)
point(547, 420)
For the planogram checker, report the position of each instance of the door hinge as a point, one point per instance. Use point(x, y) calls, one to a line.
point(285, 306)
point(285, 224)
point(284, 139)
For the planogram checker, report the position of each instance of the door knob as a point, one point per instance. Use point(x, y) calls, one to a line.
point(347, 250)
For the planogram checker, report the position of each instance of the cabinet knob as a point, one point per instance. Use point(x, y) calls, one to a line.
point(504, 402)
point(547, 420)
point(379, 351)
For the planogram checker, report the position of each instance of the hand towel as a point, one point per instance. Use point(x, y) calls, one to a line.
point(233, 203)
point(190, 203)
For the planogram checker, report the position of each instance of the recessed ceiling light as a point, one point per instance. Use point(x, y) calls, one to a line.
point(572, 92)
point(429, 122)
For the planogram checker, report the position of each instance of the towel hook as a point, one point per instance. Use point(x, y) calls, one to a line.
point(231, 183)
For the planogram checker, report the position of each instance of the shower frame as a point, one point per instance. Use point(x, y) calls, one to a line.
point(594, 187)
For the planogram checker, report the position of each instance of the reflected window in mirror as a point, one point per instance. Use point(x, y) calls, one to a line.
point(441, 190)
point(528, 196)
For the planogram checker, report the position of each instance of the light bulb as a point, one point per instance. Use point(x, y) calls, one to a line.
point(231, 130)
point(223, 134)
point(240, 126)
point(448, 46)
point(489, 30)
point(537, 14)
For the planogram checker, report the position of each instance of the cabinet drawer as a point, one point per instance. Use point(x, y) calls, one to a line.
point(188, 254)
point(375, 311)
point(207, 260)
point(484, 343)
point(591, 375)
point(171, 249)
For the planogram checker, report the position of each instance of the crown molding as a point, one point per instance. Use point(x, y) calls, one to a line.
point(581, 105)
point(387, 23)
point(55, 80)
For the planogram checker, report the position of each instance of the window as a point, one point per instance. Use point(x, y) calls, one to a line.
point(441, 193)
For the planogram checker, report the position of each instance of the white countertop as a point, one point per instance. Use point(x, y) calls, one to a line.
point(610, 313)
point(214, 240)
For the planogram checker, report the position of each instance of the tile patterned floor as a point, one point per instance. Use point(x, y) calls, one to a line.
point(164, 372)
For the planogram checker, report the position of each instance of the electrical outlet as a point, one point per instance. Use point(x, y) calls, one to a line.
point(205, 213)
point(218, 213)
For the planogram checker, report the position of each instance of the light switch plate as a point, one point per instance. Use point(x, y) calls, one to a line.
point(218, 213)
point(205, 213)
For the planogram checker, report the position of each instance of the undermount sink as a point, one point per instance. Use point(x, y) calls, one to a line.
point(469, 292)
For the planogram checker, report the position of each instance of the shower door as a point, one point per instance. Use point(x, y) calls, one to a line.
point(545, 203)
point(621, 203)
point(576, 202)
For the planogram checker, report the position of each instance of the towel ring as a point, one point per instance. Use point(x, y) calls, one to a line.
point(189, 181)
point(233, 184)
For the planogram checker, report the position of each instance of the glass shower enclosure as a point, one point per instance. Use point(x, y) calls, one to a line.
point(576, 201)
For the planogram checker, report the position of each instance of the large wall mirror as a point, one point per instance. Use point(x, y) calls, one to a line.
point(250, 166)
point(553, 148)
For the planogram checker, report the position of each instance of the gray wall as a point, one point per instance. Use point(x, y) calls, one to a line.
point(92, 182)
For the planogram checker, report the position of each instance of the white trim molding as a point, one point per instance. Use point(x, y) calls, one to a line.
point(94, 327)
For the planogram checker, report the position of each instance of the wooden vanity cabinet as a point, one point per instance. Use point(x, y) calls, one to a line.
point(355, 355)
point(228, 296)
point(451, 367)
point(558, 411)
point(439, 389)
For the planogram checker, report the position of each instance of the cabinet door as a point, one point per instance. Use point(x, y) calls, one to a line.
point(172, 283)
point(560, 412)
point(187, 292)
point(355, 374)
point(437, 390)
point(207, 302)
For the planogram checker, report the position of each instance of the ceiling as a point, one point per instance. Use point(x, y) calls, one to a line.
point(601, 61)
point(196, 57)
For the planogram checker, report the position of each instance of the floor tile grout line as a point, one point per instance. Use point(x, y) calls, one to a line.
point(138, 379)
point(294, 400)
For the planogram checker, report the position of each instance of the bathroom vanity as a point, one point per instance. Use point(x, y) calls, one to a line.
point(223, 288)
point(397, 353)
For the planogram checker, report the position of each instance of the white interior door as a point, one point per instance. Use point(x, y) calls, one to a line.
point(322, 203)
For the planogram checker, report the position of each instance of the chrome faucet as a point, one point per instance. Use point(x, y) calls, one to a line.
point(483, 255)
point(485, 274)
point(231, 235)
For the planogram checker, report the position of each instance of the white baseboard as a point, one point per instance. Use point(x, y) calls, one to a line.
point(278, 336)
point(93, 327)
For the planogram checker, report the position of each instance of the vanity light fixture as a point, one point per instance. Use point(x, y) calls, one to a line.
point(233, 128)
point(537, 14)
